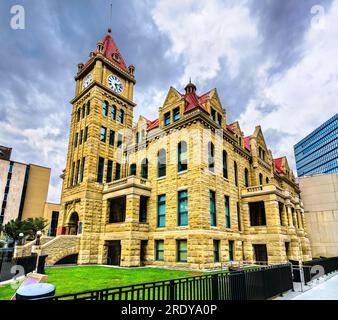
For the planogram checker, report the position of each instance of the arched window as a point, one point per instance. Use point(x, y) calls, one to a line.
point(144, 168)
point(211, 157)
point(105, 108)
point(225, 164)
point(246, 178)
point(236, 173)
point(161, 163)
point(121, 116)
point(133, 169)
point(113, 112)
point(260, 179)
point(182, 155)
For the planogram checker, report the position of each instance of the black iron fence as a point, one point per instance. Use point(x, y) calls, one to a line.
point(313, 268)
point(11, 267)
point(253, 284)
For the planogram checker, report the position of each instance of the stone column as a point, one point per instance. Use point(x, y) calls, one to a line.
point(249, 255)
point(289, 215)
point(245, 215)
point(130, 253)
point(132, 208)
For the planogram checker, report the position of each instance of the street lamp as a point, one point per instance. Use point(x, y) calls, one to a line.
point(21, 235)
point(37, 249)
point(38, 235)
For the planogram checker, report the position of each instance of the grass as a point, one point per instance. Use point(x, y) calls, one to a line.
point(78, 279)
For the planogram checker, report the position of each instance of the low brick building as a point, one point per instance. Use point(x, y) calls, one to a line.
point(185, 190)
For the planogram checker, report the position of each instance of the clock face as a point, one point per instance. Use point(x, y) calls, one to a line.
point(87, 81)
point(115, 83)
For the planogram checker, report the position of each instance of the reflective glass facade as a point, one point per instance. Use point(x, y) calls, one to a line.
point(318, 152)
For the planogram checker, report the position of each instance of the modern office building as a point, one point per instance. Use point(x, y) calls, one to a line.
point(318, 152)
point(320, 199)
point(184, 190)
point(23, 189)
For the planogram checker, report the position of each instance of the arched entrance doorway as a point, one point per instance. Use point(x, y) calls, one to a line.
point(73, 224)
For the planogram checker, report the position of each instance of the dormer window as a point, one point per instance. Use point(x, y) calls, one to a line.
point(167, 119)
point(176, 114)
point(213, 114)
point(116, 57)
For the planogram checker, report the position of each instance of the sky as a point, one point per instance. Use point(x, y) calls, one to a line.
point(273, 62)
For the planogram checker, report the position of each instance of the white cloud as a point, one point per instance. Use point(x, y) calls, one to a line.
point(305, 95)
point(204, 33)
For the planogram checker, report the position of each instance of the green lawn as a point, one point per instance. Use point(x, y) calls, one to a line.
point(77, 279)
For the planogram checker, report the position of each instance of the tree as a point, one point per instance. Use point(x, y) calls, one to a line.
point(37, 224)
point(13, 228)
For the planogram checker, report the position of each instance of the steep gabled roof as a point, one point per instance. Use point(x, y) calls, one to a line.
point(153, 124)
point(193, 101)
point(279, 164)
point(111, 52)
point(247, 143)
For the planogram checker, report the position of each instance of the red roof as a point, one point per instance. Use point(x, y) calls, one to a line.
point(278, 165)
point(247, 143)
point(193, 101)
point(110, 49)
point(153, 124)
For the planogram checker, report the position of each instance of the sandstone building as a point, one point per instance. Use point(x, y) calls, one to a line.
point(186, 190)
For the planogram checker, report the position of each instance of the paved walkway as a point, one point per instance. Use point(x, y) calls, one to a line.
point(327, 290)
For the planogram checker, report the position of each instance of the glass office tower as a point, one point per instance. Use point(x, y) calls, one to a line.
point(318, 152)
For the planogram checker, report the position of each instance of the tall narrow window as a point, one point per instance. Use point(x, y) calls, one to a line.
point(83, 111)
point(161, 163)
point(143, 209)
point(76, 139)
point(113, 112)
point(239, 217)
point(231, 250)
point(100, 170)
point(144, 168)
point(159, 250)
point(103, 135)
point(216, 250)
point(118, 171)
point(176, 114)
point(109, 171)
point(225, 164)
point(81, 137)
point(211, 157)
point(236, 173)
point(260, 179)
point(182, 156)
point(82, 169)
point(182, 251)
point(132, 171)
point(85, 134)
point(213, 114)
point(227, 212)
point(137, 137)
point(143, 134)
point(119, 140)
point(112, 138)
point(88, 108)
point(219, 119)
point(161, 211)
point(167, 119)
point(183, 208)
point(246, 178)
point(121, 116)
point(78, 115)
point(73, 174)
point(105, 108)
point(213, 208)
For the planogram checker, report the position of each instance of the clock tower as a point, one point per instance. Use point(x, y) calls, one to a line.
point(102, 110)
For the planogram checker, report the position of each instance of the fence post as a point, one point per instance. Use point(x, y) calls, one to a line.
point(172, 290)
point(214, 287)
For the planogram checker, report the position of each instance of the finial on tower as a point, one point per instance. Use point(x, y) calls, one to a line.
point(190, 87)
point(110, 18)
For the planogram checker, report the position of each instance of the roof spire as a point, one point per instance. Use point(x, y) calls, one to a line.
point(110, 18)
